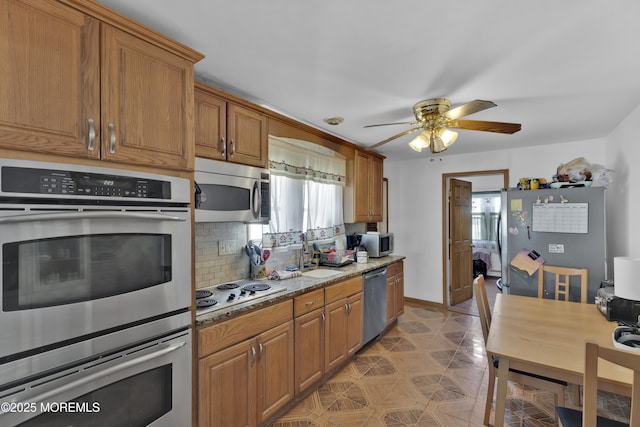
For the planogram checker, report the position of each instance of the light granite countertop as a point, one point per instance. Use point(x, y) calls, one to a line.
point(298, 286)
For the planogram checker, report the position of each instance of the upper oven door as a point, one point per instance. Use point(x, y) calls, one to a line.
point(224, 198)
point(71, 271)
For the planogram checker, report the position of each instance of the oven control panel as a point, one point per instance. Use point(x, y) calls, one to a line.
point(74, 183)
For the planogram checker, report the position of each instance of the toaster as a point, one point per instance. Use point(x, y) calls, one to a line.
point(615, 308)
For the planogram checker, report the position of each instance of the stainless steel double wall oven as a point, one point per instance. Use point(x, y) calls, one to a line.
point(95, 296)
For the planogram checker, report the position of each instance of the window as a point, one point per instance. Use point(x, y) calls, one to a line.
point(485, 211)
point(306, 192)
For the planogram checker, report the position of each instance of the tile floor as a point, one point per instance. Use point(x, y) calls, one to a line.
point(429, 370)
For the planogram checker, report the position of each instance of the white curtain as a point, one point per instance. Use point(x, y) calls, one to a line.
point(306, 191)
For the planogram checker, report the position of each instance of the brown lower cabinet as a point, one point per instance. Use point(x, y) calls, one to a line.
point(251, 366)
point(395, 291)
point(244, 383)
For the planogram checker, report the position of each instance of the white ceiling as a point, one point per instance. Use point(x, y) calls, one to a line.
point(567, 70)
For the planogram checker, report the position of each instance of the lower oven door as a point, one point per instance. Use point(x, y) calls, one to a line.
point(148, 384)
point(71, 272)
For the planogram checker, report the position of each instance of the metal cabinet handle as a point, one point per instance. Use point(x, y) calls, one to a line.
point(92, 135)
point(233, 147)
point(223, 153)
point(261, 350)
point(253, 355)
point(112, 139)
point(310, 303)
point(324, 318)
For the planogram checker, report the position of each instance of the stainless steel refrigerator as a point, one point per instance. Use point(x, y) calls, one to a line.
point(563, 227)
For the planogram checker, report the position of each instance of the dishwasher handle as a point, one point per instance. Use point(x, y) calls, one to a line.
point(375, 273)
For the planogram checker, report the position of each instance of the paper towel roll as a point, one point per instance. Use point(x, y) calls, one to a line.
point(627, 277)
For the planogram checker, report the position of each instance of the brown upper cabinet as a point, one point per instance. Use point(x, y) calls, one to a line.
point(228, 131)
point(364, 202)
point(75, 85)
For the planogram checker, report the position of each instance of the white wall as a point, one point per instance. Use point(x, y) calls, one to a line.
point(623, 196)
point(415, 200)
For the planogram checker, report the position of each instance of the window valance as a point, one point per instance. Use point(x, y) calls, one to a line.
point(304, 160)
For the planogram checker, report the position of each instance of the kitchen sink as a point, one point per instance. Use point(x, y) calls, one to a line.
point(321, 273)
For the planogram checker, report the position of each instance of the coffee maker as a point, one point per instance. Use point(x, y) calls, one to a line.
point(353, 241)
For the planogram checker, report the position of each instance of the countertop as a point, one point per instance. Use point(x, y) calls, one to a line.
point(298, 286)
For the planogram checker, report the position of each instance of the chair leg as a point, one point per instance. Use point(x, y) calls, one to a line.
point(489, 400)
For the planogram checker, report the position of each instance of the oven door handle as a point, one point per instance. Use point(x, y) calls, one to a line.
point(87, 215)
point(106, 372)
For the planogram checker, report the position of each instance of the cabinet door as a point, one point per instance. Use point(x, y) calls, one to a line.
point(375, 188)
point(355, 304)
point(275, 369)
point(391, 298)
point(399, 300)
point(227, 387)
point(309, 343)
point(147, 103)
point(247, 134)
point(50, 84)
point(210, 126)
point(335, 348)
point(362, 210)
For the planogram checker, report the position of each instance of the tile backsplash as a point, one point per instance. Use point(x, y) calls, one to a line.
point(213, 268)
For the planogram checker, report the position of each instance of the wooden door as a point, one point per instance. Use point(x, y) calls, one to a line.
point(50, 78)
point(247, 134)
point(460, 255)
point(210, 125)
point(355, 314)
point(227, 387)
point(147, 103)
point(399, 300)
point(275, 384)
point(309, 348)
point(335, 348)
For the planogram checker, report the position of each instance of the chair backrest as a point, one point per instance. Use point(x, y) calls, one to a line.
point(628, 359)
point(562, 279)
point(484, 311)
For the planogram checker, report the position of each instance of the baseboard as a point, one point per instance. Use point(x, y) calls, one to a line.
point(424, 303)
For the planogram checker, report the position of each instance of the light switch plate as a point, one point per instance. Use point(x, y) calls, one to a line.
point(556, 248)
point(226, 247)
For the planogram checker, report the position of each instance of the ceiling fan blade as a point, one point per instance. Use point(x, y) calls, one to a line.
point(468, 108)
point(389, 124)
point(406, 132)
point(499, 127)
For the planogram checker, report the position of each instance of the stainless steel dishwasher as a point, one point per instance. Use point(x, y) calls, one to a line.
point(375, 303)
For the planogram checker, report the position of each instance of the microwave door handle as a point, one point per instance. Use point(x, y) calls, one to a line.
point(106, 372)
point(256, 200)
point(87, 215)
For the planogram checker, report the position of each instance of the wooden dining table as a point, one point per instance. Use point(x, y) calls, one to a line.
point(547, 337)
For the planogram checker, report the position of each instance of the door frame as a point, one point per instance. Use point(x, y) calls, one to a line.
point(445, 220)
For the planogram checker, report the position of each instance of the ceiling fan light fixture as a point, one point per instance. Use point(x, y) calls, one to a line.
point(423, 140)
point(442, 139)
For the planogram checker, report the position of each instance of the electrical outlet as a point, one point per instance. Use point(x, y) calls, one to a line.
point(226, 247)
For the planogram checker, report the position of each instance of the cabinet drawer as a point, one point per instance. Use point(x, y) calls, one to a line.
point(394, 269)
point(343, 289)
point(220, 335)
point(308, 302)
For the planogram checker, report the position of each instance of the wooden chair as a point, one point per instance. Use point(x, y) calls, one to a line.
point(588, 417)
point(562, 279)
point(543, 383)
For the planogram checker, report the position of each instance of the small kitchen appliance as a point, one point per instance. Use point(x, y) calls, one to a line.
point(377, 244)
point(615, 308)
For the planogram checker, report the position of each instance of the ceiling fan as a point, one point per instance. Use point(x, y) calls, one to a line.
point(434, 117)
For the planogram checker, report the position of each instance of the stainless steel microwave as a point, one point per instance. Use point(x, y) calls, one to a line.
point(378, 244)
point(227, 192)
